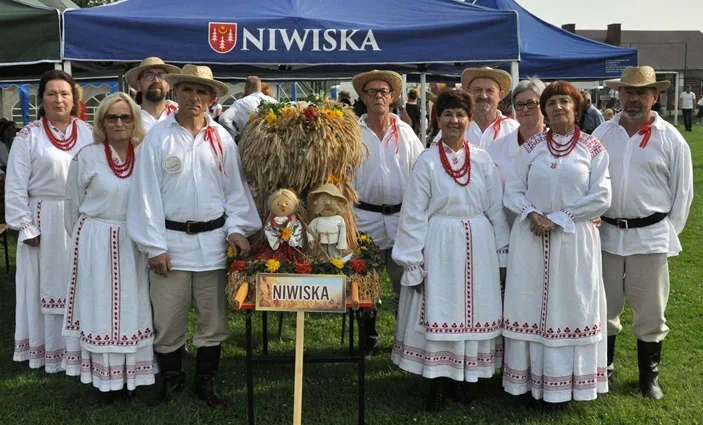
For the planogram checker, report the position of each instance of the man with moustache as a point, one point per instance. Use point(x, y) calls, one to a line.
point(651, 172)
point(487, 87)
point(188, 201)
point(380, 182)
point(149, 80)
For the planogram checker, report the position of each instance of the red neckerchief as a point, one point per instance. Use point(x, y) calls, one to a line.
point(496, 125)
point(170, 108)
point(394, 133)
point(213, 138)
point(646, 133)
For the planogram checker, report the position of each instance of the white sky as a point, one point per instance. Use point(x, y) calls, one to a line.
point(632, 14)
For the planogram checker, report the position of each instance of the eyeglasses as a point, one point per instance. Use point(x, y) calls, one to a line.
point(151, 75)
point(531, 104)
point(374, 92)
point(126, 119)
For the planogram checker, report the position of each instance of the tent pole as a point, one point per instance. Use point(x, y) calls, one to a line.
point(515, 75)
point(67, 67)
point(58, 66)
point(676, 98)
point(423, 108)
point(405, 89)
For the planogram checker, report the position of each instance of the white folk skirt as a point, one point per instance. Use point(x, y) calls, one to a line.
point(41, 288)
point(108, 322)
point(452, 329)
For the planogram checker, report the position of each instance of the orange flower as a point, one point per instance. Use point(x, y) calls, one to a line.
point(285, 234)
point(303, 268)
point(238, 266)
point(272, 265)
point(357, 265)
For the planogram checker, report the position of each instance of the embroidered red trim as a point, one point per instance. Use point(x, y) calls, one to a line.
point(72, 325)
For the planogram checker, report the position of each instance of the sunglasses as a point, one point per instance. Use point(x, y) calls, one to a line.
point(111, 118)
point(374, 92)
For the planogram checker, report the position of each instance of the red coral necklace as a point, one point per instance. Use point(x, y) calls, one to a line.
point(124, 169)
point(63, 144)
point(557, 150)
point(463, 170)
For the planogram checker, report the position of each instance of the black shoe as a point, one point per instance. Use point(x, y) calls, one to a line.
point(436, 398)
point(172, 375)
point(208, 363)
point(458, 391)
point(648, 358)
point(611, 356)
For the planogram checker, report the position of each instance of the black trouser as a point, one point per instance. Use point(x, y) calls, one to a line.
point(687, 118)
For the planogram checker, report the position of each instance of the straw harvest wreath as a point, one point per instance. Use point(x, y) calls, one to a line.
point(301, 147)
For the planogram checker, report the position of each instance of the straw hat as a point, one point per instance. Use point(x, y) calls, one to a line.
point(638, 76)
point(505, 82)
point(200, 75)
point(328, 189)
point(152, 62)
point(392, 78)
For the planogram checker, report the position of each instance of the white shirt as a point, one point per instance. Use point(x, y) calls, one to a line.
point(486, 138)
point(687, 100)
point(503, 152)
point(149, 121)
point(38, 169)
point(656, 178)
point(383, 176)
point(213, 110)
point(177, 177)
point(93, 189)
point(237, 116)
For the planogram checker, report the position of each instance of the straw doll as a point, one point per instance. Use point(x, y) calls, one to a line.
point(328, 228)
point(283, 231)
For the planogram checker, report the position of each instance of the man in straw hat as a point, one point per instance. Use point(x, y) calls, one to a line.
point(149, 80)
point(188, 202)
point(651, 172)
point(380, 182)
point(487, 87)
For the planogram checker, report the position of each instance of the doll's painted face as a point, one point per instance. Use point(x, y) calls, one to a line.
point(283, 206)
point(327, 206)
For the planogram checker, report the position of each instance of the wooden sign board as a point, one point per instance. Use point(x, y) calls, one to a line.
point(301, 292)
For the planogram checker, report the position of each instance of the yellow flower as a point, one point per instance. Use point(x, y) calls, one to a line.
point(252, 117)
point(272, 265)
point(338, 113)
point(285, 234)
point(337, 263)
point(230, 253)
point(333, 179)
point(288, 110)
point(363, 248)
point(329, 113)
point(271, 117)
point(365, 239)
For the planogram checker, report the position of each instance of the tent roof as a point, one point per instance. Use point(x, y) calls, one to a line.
point(298, 33)
point(34, 30)
point(552, 53)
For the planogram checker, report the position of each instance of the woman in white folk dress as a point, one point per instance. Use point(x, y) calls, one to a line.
point(554, 312)
point(108, 322)
point(34, 203)
point(452, 242)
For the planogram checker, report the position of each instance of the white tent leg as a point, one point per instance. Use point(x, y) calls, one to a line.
point(423, 108)
point(515, 75)
point(676, 98)
point(58, 66)
point(404, 95)
point(67, 67)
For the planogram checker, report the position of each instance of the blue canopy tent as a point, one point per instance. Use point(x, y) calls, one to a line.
point(293, 33)
point(318, 38)
point(552, 53)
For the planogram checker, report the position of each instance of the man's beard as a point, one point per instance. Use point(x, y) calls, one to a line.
point(482, 107)
point(155, 94)
point(634, 115)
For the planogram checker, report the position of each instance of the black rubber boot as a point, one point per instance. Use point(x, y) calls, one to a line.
point(611, 355)
point(371, 332)
point(436, 398)
point(648, 358)
point(208, 363)
point(171, 373)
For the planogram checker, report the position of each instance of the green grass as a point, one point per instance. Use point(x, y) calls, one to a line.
point(393, 396)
